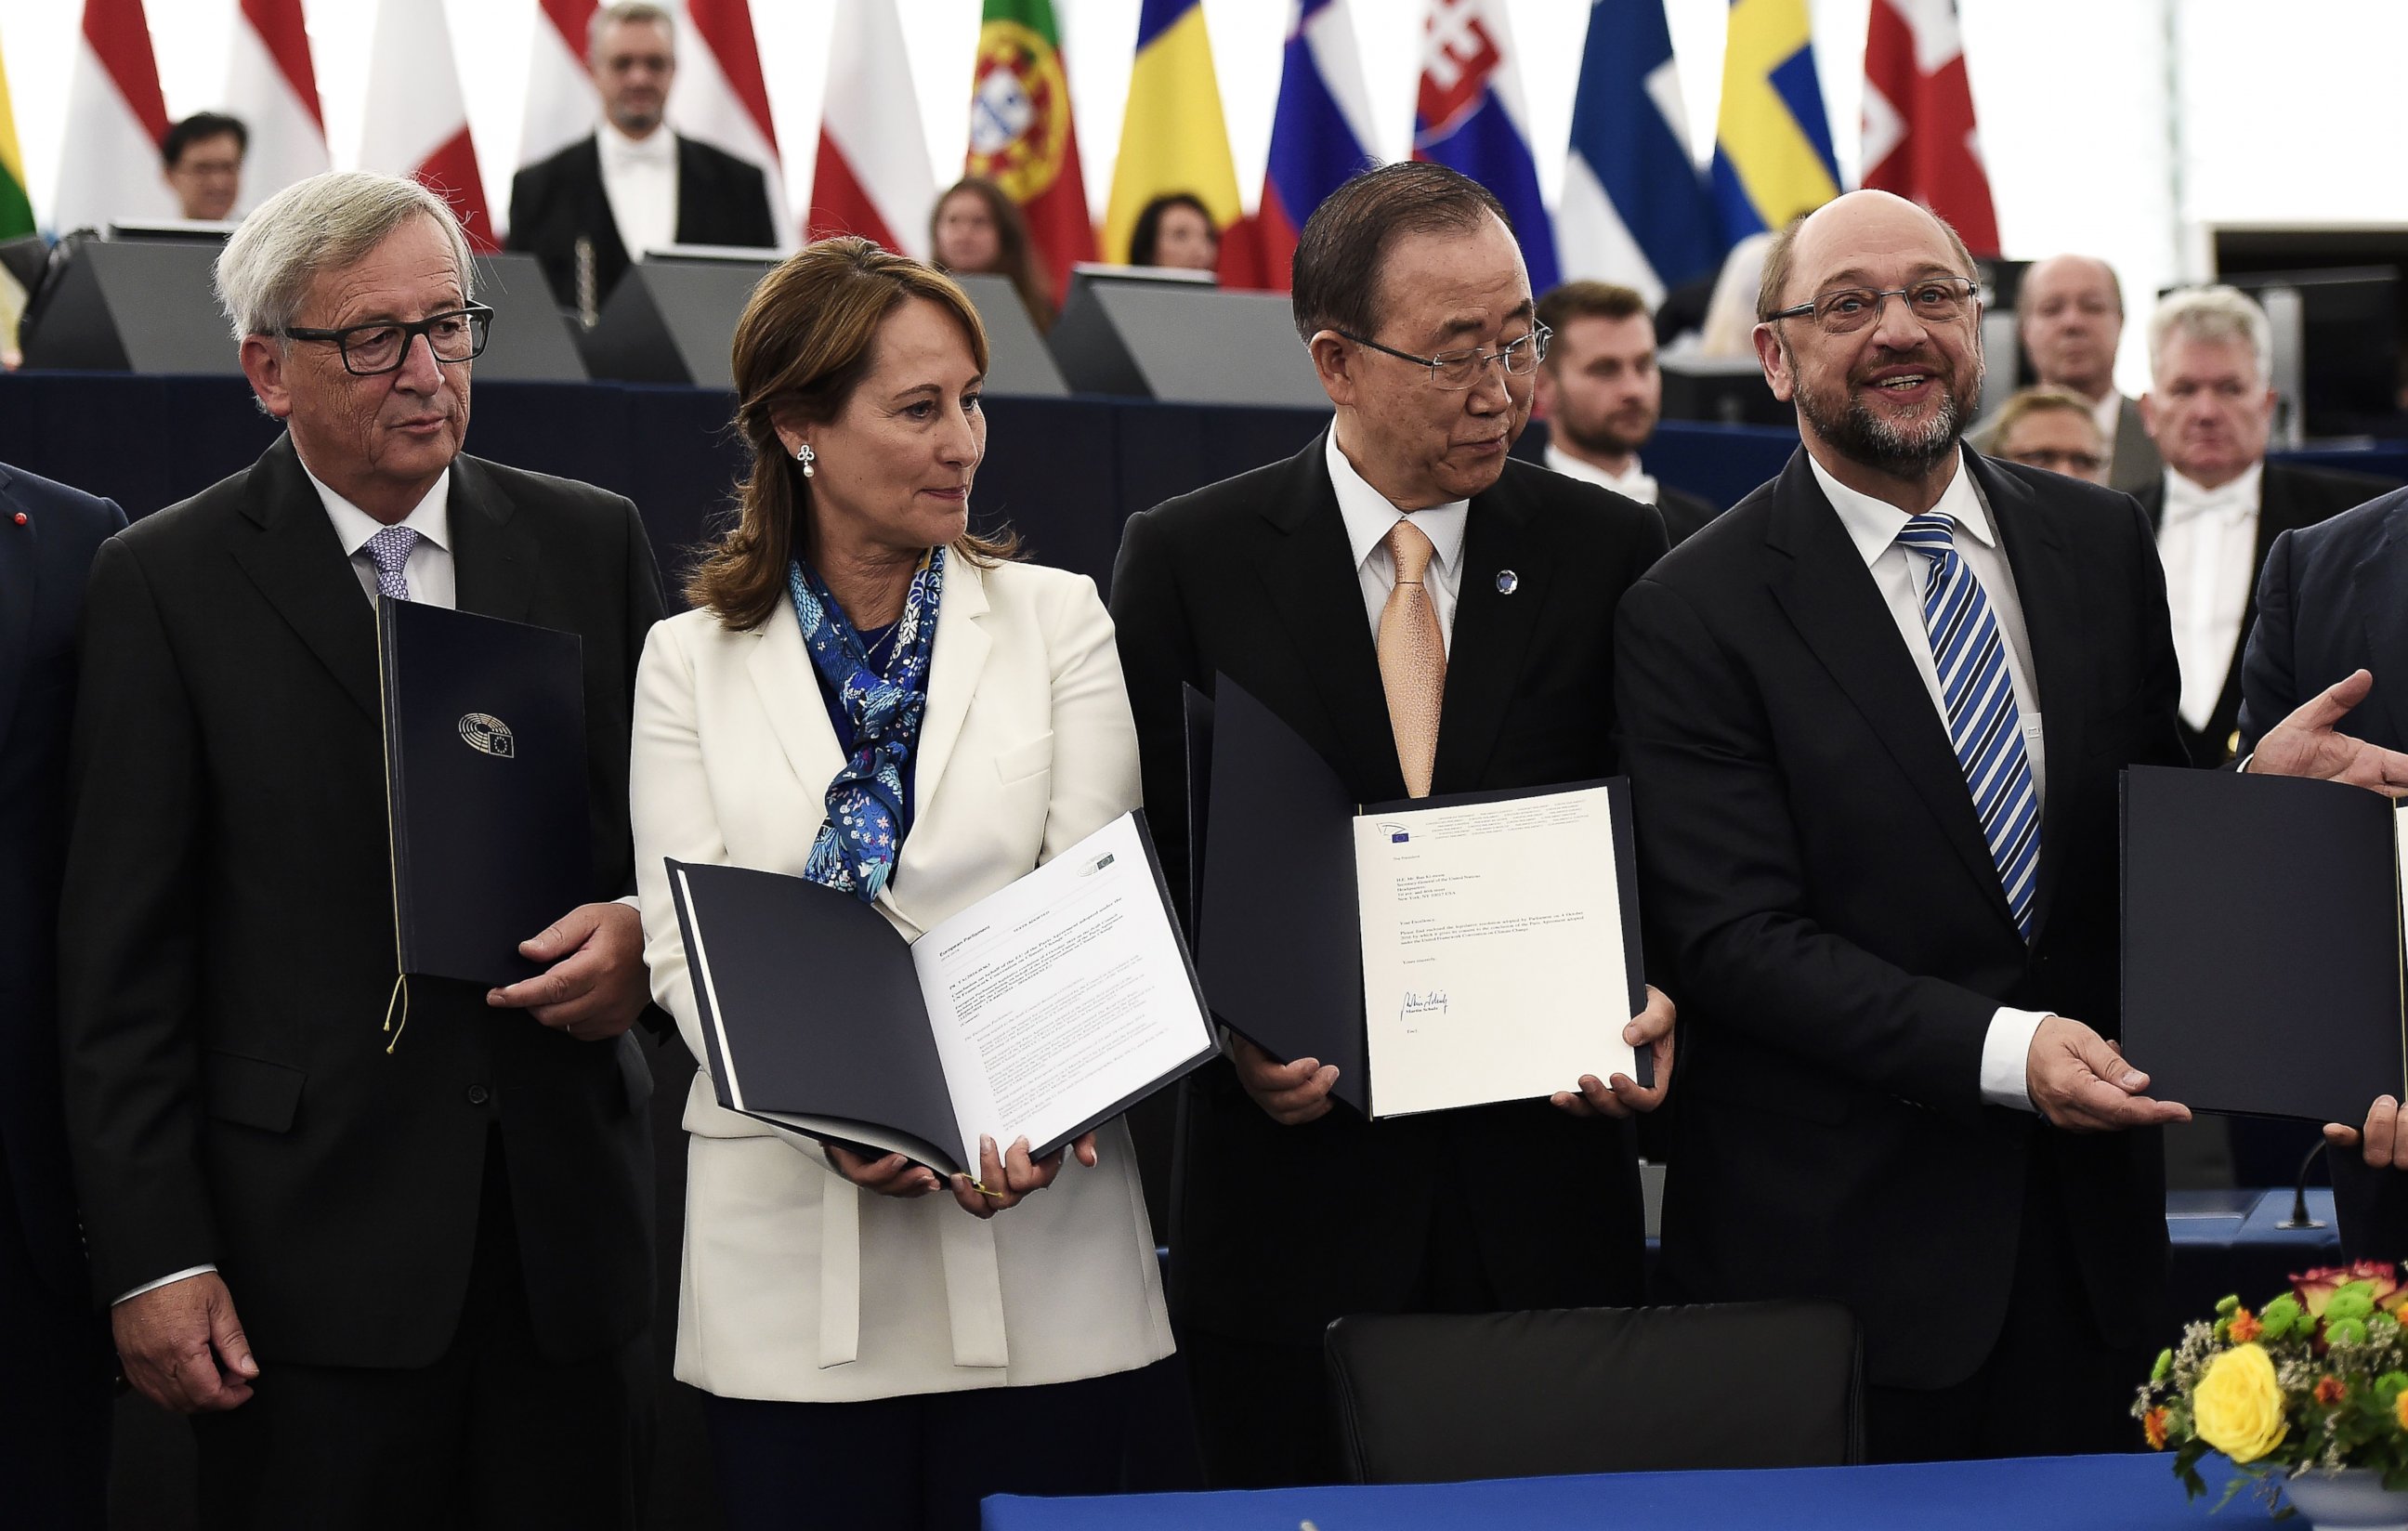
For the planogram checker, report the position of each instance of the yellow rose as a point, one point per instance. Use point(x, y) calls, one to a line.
point(2238, 1406)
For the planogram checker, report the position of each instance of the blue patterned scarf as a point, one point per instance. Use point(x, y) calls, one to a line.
point(856, 847)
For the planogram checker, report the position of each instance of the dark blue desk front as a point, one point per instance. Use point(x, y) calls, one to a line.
point(2060, 1494)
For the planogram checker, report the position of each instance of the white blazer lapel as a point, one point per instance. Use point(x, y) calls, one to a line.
point(789, 690)
point(954, 671)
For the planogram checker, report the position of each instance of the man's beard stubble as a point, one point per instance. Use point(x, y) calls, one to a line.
point(1860, 434)
point(1604, 440)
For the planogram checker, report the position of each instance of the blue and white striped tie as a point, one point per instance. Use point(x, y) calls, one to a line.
point(1984, 725)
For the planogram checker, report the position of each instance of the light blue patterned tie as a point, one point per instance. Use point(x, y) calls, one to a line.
point(1984, 725)
point(391, 550)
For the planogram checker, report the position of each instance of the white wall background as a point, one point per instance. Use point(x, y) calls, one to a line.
point(2281, 114)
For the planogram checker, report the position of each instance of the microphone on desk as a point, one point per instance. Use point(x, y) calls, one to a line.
point(2299, 1220)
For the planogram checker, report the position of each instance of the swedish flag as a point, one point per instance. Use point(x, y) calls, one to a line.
point(1173, 139)
point(1772, 144)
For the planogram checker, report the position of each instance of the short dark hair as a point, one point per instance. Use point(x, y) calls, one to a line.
point(199, 128)
point(1590, 300)
point(1335, 278)
point(1147, 231)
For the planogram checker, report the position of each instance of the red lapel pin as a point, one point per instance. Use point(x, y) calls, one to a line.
point(21, 518)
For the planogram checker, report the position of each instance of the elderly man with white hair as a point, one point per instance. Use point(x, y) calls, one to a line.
point(395, 1279)
point(2219, 504)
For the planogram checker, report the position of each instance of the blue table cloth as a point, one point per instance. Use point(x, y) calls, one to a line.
point(2034, 1493)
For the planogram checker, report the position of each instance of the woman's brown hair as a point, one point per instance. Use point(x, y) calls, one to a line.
point(807, 339)
point(1016, 253)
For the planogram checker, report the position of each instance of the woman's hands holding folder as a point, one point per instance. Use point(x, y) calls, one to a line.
point(1621, 1096)
point(1005, 1180)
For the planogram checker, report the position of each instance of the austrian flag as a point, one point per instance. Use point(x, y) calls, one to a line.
point(1919, 136)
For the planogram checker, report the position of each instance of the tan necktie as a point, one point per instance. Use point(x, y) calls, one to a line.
point(1413, 657)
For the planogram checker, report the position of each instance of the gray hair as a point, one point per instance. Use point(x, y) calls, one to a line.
point(324, 223)
point(626, 12)
point(2214, 315)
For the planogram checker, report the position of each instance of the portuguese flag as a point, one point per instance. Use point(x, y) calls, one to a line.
point(16, 212)
point(1021, 134)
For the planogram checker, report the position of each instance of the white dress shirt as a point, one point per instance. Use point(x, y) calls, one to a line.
point(428, 570)
point(1370, 518)
point(2207, 542)
point(2108, 415)
point(1873, 526)
point(1637, 484)
point(640, 177)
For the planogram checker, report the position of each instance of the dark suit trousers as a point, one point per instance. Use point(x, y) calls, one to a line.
point(2051, 1386)
point(54, 1410)
point(1262, 1410)
point(492, 1434)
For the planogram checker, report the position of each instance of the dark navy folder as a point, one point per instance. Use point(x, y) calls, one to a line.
point(486, 782)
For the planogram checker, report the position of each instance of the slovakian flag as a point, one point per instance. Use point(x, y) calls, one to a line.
point(1919, 136)
point(1634, 209)
point(561, 107)
point(273, 87)
point(1772, 142)
point(872, 176)
point(1174, 138)
point(1470, 117)
point(1022, 137)
point(1318, 134)
point(417, 121)
point(721, 98)
point(116, 119)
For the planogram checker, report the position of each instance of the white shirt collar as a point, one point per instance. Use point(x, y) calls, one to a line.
point(1637, 484)
point(430, 518)
point(1873, 525)
point(2187, 499)
point(1370, 515)
point(2108, 415)
point(659, 147)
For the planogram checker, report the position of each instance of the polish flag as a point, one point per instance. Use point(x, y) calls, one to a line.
point(873, 177)
point(1919, 136)
point(417, 118)
point(272, 87)
point(561, 107)
point(721, 98)
point(116, 119)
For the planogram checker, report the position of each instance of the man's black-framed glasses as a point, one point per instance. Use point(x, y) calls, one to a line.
point(369, 351)
point(1844, 311)
point(1457, 370)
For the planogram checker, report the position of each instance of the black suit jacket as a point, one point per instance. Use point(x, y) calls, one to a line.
point(721, 200)
point(1685, 514)
point(1276, 1230)
point(227, 939)
point(43, 559)
point(2333, 598)
point(1815, 879)
point(2289, 498)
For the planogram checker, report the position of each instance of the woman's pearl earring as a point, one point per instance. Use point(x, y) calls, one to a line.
point(804, 455)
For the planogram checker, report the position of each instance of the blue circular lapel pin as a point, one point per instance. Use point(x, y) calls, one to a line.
point(1508, 582)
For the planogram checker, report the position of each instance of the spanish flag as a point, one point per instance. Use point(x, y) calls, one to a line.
point(16, 212)
point(1772, 144)
point(1174, 138)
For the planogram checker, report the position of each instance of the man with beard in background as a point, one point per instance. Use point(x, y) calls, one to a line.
point(1887, 897)
point(1600, 395)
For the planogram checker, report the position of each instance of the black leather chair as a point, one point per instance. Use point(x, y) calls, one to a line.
point(1429, 1398)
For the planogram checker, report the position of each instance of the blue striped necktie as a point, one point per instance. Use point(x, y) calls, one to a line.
point(1984, 726)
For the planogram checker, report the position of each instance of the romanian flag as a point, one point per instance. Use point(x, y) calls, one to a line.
point(1772, 144)
point(1022, 136)
point(16, 212)
point(1174, 138)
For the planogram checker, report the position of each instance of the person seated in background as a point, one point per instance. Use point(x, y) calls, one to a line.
point(2050, 428)
point(203, 159)
point(976, 230)
point(2069, 319)
point(2218, 506)
point(1176, 230)
point(1600, 395)
point(880, 1347)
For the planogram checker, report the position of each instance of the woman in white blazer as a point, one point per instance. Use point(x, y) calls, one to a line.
point(866, 695)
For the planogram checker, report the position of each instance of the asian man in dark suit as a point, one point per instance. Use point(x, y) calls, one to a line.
point(395, 1266)
point(1887, 897)
point(54, 1418)
point(1430, 618)
point(588, 210)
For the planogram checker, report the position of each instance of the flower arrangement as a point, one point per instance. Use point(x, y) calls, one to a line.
point(2317, 1379)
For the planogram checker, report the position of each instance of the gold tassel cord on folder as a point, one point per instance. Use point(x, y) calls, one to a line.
point(400, 996)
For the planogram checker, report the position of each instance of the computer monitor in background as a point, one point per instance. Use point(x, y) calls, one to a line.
point(2336, 364)
point(1721, 392)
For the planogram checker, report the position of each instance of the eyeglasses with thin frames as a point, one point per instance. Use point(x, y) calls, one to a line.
point(370, 351)
point(1458, 370)
point(1934, 300)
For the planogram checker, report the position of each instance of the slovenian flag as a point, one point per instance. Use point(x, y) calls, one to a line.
point(1634, 209)
point(1470, 117)
point(1318, 134)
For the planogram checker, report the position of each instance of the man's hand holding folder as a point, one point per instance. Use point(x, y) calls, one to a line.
point(595, 984)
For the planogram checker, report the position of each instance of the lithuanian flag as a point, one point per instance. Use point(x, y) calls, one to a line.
point(1174, 138)
point(16, 211)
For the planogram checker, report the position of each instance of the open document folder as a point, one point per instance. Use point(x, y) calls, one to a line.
point(1441, 951)
point(1041, 1010)
point(2262, 922)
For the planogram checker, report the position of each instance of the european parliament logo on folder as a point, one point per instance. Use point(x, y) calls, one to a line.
point(485, 783)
